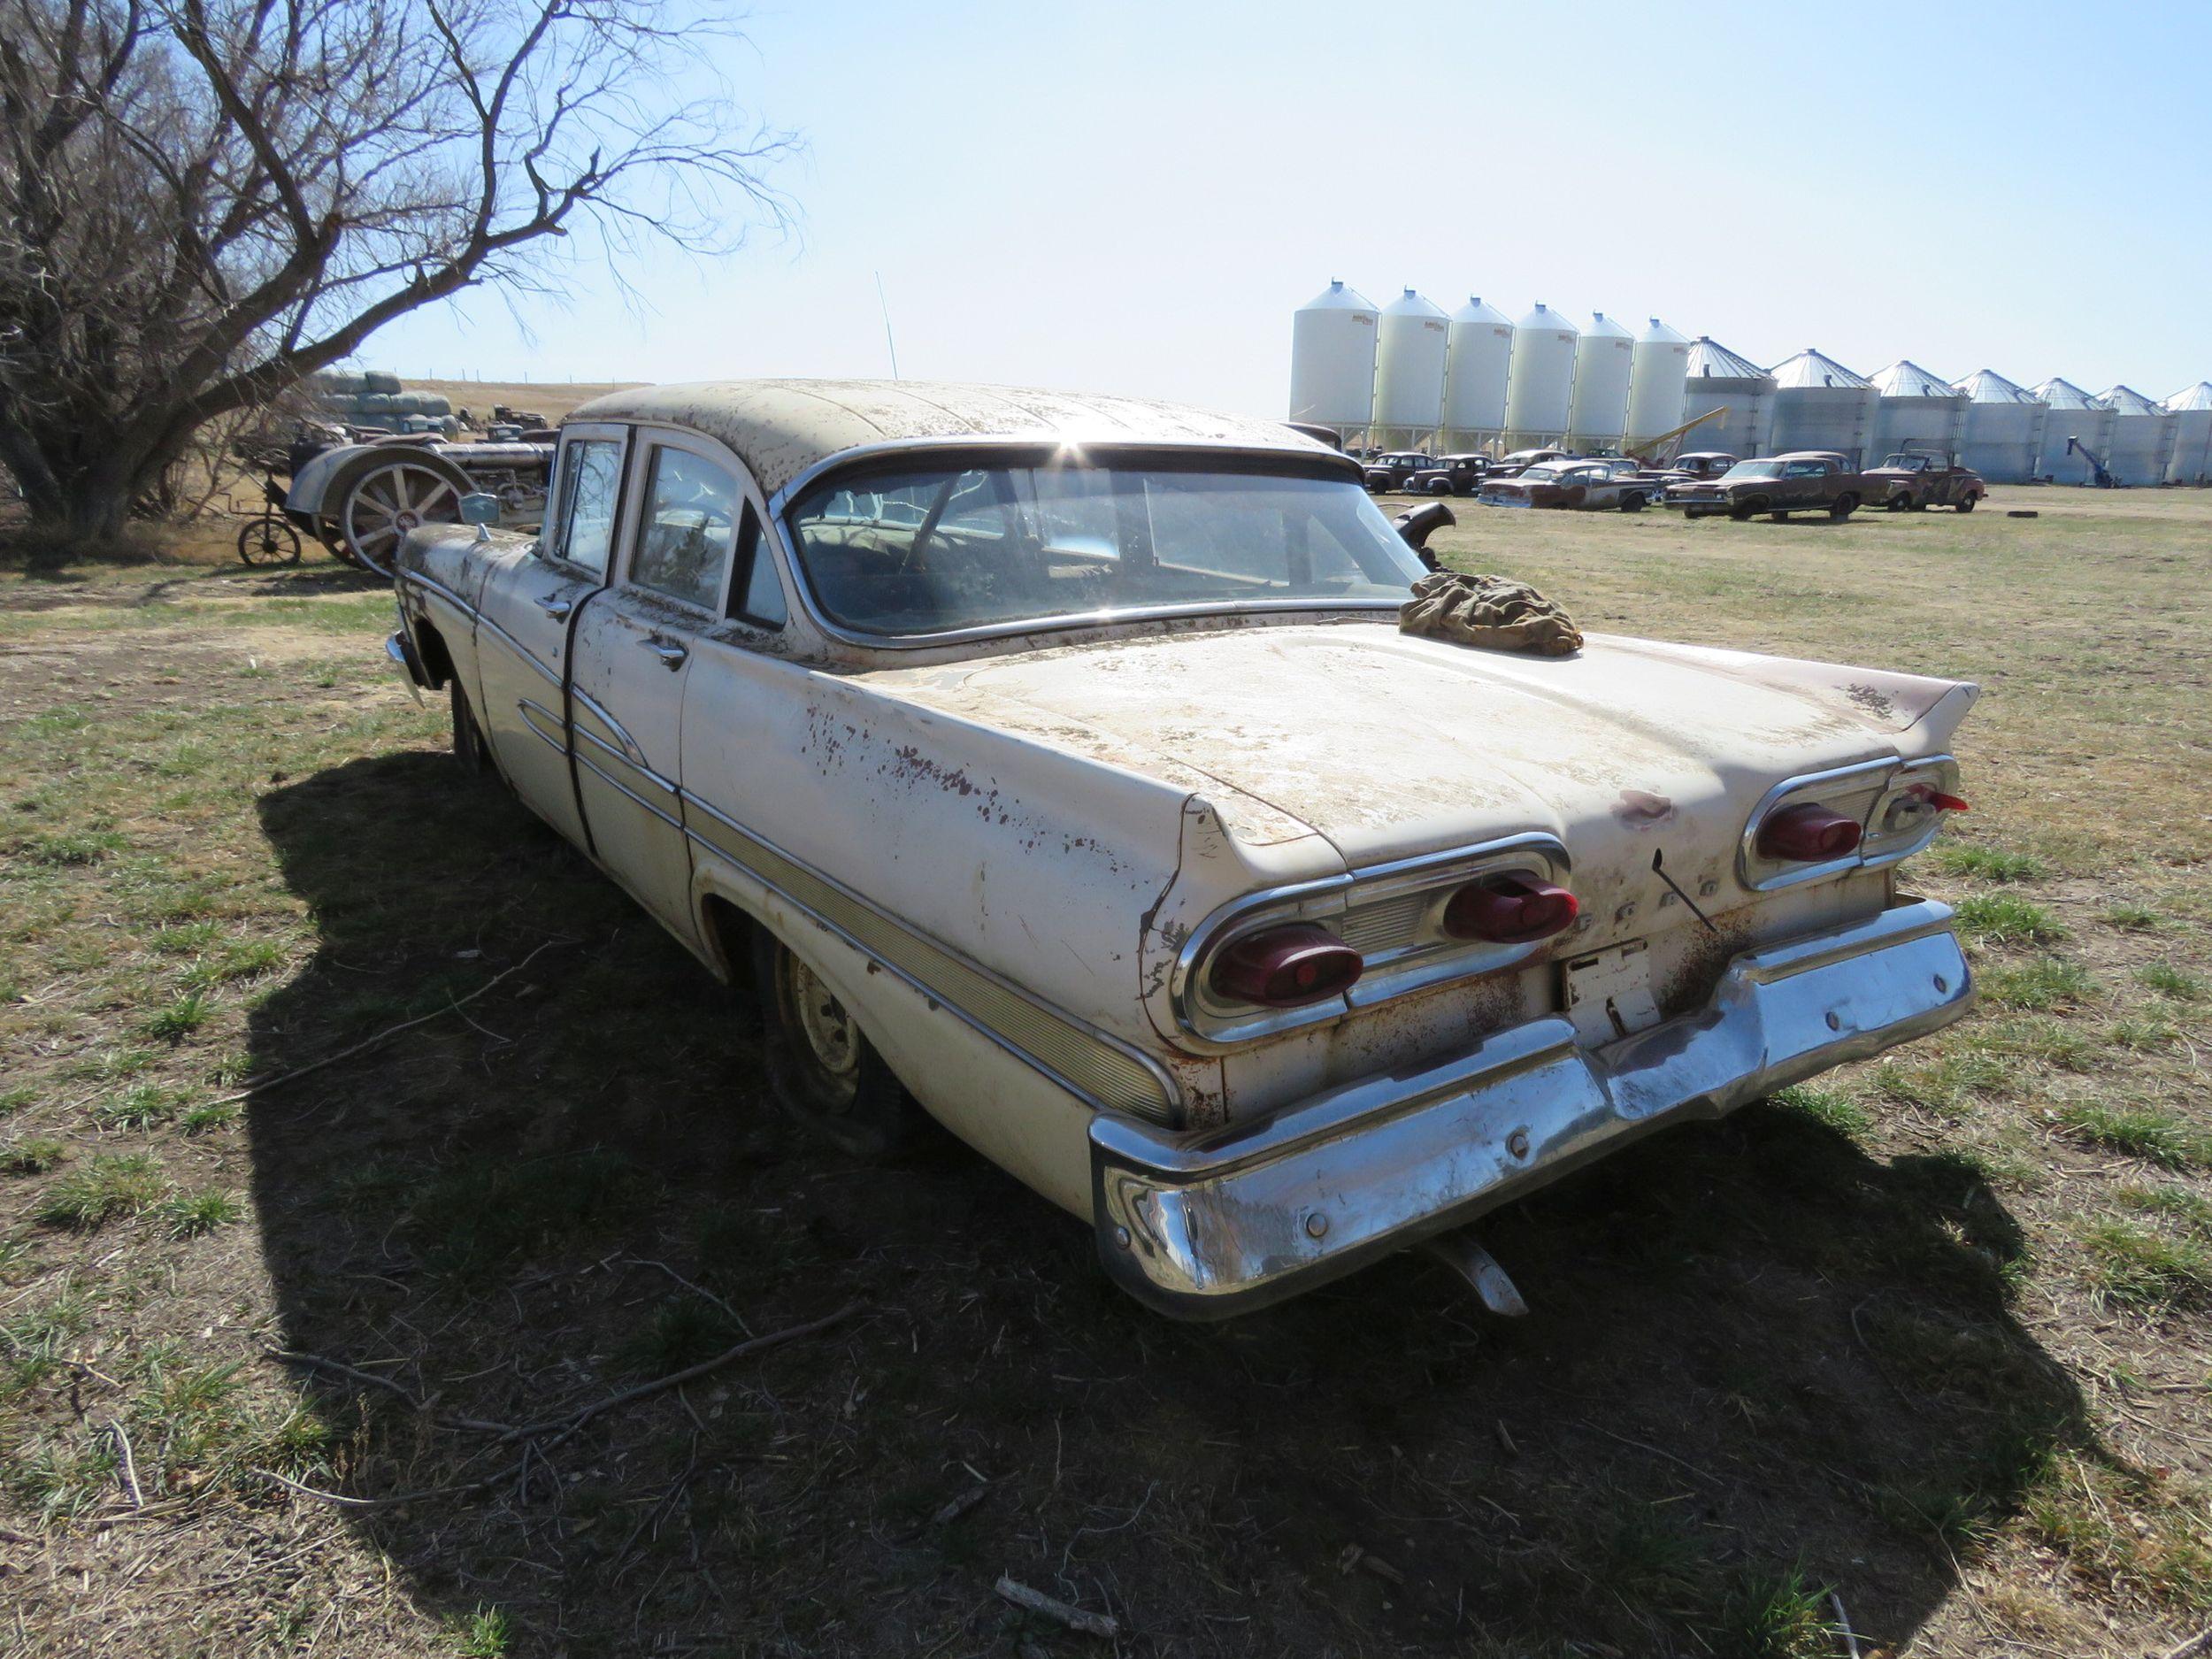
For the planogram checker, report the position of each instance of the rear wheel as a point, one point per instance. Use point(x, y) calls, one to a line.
point(1843, 507)
point(1746, 511)
point(823, 1070)
point(1966, 503)
point(1440, 486)
point(1632, 503)
point(268, 539)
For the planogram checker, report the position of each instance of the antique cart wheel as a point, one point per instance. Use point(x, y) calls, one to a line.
point(268, 539)
point(821, 1068)
point(384, 501)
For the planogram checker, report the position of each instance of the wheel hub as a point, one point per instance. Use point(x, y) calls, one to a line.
point(830, 1035)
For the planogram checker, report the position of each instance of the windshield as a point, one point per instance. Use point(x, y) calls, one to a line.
point(1907, 463)
point(931, 547)
point(1544, 470)
point(1755, 468)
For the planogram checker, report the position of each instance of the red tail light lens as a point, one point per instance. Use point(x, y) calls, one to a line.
point(1937, 799)
point(1807, 833)
point(1510, 911)
point(1285, 967)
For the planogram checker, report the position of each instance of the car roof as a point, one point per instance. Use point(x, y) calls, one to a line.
point(781, 429)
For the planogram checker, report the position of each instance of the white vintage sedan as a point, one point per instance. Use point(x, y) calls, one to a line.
point(1056, 765)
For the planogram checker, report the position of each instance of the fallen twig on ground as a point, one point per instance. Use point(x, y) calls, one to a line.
point(1073, 1618)
point(574, 1420)
point(262, 1084)
point(127, 1464)
point(2195, 1647)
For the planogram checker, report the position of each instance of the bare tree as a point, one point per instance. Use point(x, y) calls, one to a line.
point(203, 201)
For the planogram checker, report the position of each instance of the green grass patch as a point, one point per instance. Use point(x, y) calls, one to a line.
point(14, 1100)
point(1778, 1614)
point(2005, 919)
point(34, 1155)
point(198, 1120)
point(190, 1011)
point(2140, 1132)
point(2170, 982)
point(144, 1107)
point(1986, 864)
point(187, 1214)
point(79, 847)
point(2125, 1536)
point(2134, 917)
point(2142, 1268)
point(241, 959)
point(107, 1188)
point(2177, 1204)
point(2047, 983)
point(1947, 1085)
point(485, 1633)
point(1838, 1112)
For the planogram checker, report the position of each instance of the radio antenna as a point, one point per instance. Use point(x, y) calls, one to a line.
point(887, 339)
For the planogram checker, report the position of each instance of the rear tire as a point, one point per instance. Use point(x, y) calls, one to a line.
point(1632, 503)
point(1844, 507)
point(469, 747)
point(1743, 515)
point(824, 1074)
point(1967, 503)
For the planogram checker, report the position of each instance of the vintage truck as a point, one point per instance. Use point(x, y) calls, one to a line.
point(1804, 480)
point(1058, 766)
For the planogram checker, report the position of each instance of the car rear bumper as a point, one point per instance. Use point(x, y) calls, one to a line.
point(1203, 1224)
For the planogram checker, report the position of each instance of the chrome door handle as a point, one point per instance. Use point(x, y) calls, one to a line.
point(671, 654)
point(557, 607)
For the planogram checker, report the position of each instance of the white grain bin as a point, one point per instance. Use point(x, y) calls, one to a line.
point(2141, 432)
point(2074, 414)
point(1332, 360)
point(1743, 392)
point(1475, 369)
point(1919, 412)
point(1660, 363)
point(2191, 460)
point(1410, 346)
point(1541, 385)
point(1597, 410)
point(1819, 404)
point(2004, 428)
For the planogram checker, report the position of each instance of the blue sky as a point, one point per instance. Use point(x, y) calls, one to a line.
point(1134, 197)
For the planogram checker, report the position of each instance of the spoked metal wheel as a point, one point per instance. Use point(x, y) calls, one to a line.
point(821, 1068)
point(387, 502)
point(268, 539)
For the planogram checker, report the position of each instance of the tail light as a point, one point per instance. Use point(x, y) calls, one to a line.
point(1937, 799)
point(1807, 833)
point(1285, 967)
point(1508, 911)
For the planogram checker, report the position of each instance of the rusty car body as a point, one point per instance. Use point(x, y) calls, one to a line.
point(1058, 762)
point(1694, 468)
point(1448, 475)
point(1913, 481)
point(1391, 468)
point(1587, 486)
point(1803, 481)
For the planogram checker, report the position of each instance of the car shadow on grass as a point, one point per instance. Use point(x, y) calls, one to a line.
point(1761, 1363)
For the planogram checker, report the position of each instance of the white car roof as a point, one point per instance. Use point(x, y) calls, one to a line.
point(782, 429)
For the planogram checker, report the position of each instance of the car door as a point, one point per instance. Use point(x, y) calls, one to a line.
point(1802, 483)
point(527, 615)
point(632, 662)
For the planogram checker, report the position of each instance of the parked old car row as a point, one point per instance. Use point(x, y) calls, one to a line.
point(1058, 767)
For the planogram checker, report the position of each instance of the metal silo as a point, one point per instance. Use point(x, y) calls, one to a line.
point(1542, 382)
point(2073, 415)
point(2140, 432)
point(1475, 369)
point(2191, 460)
point(1739, 389)
point(1919, 412)
point(1660, 362)
point(2004, 428)
point(1819, 404)
point(1409, 347)
point(1597, 412)
point(1332, 360)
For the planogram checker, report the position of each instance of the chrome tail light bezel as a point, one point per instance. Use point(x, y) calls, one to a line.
point(1390, 913)
point(1872, 792)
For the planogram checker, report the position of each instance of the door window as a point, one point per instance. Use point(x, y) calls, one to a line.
point(591, 489)
point(688, 528)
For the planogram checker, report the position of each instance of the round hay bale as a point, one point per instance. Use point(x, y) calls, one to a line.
point(378, 380)
point(435, 402)
point(372, 403)
point(406, 404)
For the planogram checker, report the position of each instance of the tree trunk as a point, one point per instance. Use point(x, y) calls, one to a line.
point(84, 500)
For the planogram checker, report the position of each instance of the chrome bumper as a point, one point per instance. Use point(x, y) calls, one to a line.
point(1205, 1225)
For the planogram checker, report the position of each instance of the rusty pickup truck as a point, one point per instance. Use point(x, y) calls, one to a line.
point(1804, 480)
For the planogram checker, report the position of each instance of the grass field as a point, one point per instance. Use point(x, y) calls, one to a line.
point(1925, 1342)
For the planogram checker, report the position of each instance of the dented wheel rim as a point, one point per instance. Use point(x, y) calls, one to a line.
point(832, 1041)
point(387, 503)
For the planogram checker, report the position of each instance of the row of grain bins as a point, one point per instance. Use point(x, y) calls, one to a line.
point(1409, 375)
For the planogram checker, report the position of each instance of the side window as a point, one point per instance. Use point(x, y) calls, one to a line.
point(591, 489)
point(689, 527)
point(761, 598)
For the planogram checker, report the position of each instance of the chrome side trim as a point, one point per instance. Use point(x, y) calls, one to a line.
point(633, 772)
point(519, 649)
point(623, 789)
point(610, 730)
point(551, 732)
point(1102, 1071)
point(442, 590)
point(1216, 1029)
point(1210, 1223)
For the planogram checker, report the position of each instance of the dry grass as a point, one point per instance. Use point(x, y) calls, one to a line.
point(1928, 1332)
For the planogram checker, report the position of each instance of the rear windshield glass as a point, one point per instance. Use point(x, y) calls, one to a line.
point(1755, 468)
point(940, 547)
